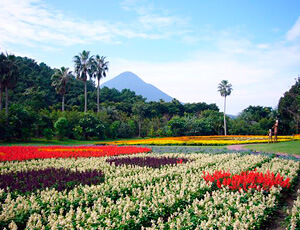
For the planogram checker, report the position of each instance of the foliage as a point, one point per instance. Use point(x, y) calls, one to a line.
point(61, 127)
point(20, 122)
point(91, 126)
point(48, 134)
point(256, 120)
point(289, 110)
point(99, 69)
point(60, 78)
point(122, 114)
point(83, 69)
point(225, 90)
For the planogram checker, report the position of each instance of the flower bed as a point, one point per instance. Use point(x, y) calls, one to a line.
point(172, 196)
point(294, 216)
point(200, 140)
point(154, 162)
point(60, 179)
point(20, 153)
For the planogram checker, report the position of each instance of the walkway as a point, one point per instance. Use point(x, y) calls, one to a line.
point(240, 147)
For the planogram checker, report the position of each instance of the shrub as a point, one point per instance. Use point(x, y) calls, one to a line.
point(48, 134)
point(61, 126)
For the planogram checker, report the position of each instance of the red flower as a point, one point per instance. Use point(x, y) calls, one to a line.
point(20, 153)
point(247, 180)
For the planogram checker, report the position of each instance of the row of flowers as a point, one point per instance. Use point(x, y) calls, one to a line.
point(226, 209)
point(133, 196)
point(247, 180)
point(294, 215)
point(200, 140)
point(20, 153)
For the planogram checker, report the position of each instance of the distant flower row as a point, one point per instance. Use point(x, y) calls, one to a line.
point(200, 140)
point(20, 153)
point(175, 195)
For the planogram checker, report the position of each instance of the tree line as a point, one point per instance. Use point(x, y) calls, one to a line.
point(38, 101)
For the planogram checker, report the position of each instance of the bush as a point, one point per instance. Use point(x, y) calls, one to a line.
point(91, 126)
point(61, 127)
point(48, 134)
point(20, 122)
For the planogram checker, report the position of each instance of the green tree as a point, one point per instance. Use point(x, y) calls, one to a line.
point(10, 76)
point(61, 126)
point(2, 72)
point(60, 79)
point(178, 126)
point(225, 90)
point(140, 110)
point(91, 126)
point(100, 67)
point(83, 69)
point(289, 110)
point(48, 134)
point(21, 122)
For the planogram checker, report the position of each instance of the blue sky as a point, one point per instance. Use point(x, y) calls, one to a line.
point(185, 48)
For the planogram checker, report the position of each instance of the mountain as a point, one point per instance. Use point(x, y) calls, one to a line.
point(129, 80)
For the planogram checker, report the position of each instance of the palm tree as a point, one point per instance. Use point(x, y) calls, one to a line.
point(100, 67)
point(83, 69)
point(10, 76)
point(60, 79)
point(225, 90)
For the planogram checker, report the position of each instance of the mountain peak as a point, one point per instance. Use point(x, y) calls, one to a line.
point(128, 76)
point(129, 80)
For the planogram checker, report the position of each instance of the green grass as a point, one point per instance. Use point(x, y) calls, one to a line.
point(42, 141)
point(290, 147)
point(37, 141)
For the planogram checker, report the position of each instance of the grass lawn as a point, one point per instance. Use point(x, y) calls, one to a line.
point(290, 147)
point(38, 141)
point(42, 141)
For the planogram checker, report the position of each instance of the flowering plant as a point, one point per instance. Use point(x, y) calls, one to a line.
point(247, 180)
point(20, 153)
point(218, 140)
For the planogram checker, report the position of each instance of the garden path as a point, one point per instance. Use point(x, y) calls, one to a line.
point(241, 147)
point(235, 147)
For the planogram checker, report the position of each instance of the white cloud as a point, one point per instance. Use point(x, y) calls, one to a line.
point(158, 21)
point(294, 32)
point(259, 76)
point(30, 21)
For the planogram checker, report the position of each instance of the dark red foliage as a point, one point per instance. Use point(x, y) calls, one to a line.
point(59, 179)
point(153, 162)
point(247, 180)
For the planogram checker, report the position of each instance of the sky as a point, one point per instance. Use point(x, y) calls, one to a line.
point(185, 48)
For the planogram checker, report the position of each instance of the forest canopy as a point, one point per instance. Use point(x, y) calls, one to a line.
point(31, 107)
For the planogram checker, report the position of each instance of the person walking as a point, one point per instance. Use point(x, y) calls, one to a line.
point(275, 127)
point(270, 140)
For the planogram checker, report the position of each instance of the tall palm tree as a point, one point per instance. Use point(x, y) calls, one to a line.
point(11, 73)
point(225, 90)
point(100, 67)
point(83, 69)
point(60, 79)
